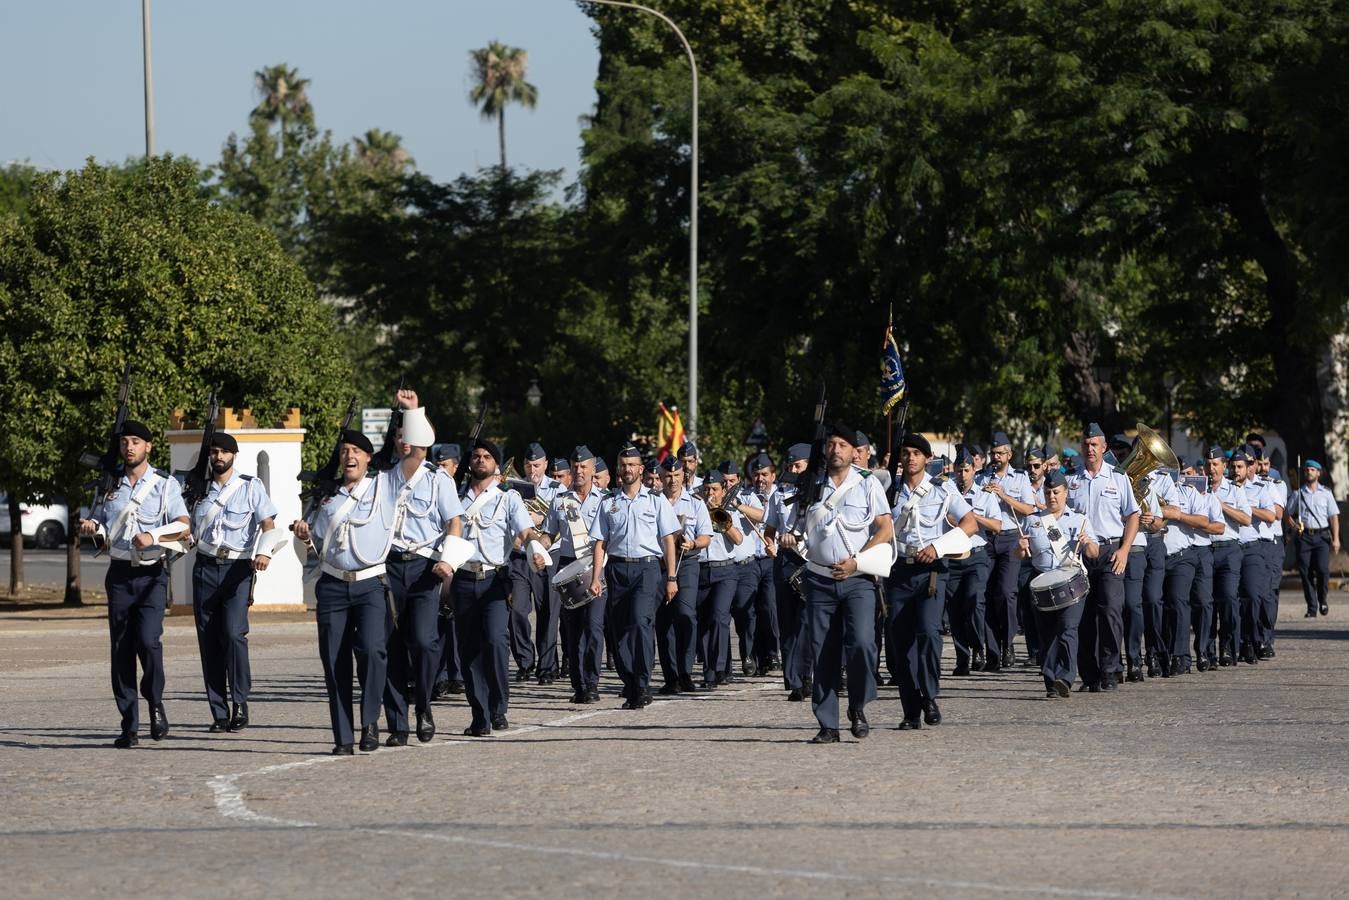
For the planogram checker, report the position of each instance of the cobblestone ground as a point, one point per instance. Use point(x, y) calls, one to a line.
point(1230, 784)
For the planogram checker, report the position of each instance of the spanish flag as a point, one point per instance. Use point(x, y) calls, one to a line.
point(669, 432)
point(893, 386)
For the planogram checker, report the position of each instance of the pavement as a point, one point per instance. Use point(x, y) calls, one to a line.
point(1230, 784)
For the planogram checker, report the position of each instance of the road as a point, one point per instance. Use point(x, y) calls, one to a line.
point(1230, 784)
point(48, 567)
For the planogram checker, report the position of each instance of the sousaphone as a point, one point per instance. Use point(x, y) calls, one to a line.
point(1149, 454)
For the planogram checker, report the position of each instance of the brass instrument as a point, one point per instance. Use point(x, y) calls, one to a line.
point(1149, 454)
point(512, 480)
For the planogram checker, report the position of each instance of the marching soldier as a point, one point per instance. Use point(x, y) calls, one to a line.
point(601, 474)
point(849, 519)
point(925, 508)
point(1253, 539)
point(1314, 518)
point(144, 511)
point(535, 650)
point(1150, 588)
point(1227, 558)
point(1054, 536)
point(967, 578)
point(778, 520)
point(351, 533)
point(677, 622)
point(1016, 499)
point(426, 509)
point(1202, 504)
point(1034, 458)
point(493, 520)
point(235, 520)
point(720, 584)
point(688, 455)
point(743, 610)
point(633, 535)
point(446, 458)
point(754, 506)
point(568, 528)
point(562, 473)
point(1103, 494)
point(448, 677)
point(1274, 552)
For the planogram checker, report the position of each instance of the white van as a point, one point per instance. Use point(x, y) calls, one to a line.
point(44, 527)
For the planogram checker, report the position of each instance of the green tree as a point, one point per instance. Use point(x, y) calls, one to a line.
point(383, 152)
point(283, 98)
point(499, 73)
point(138, 264)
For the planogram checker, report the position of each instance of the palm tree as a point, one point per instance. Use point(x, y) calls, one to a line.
point(500, 74)
point(382, 151)
point(282, 98)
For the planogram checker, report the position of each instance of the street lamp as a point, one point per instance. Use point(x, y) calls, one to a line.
point(691, 426)
point(149, 81)
point(534, 396)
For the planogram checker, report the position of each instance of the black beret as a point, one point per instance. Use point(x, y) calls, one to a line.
point(848, 435)
point(132, 428)
point(688, 448)
point(1054, 478)
point(535, 452)
point(356, 439)
point(491, 448)
point(225, 442)
point(917, 442)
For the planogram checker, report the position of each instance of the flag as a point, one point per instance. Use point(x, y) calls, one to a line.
point(669, 432)
point(893, 385)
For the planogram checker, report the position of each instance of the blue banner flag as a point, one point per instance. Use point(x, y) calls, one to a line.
point(892, 372)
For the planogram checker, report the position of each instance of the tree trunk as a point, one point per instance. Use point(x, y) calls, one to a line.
point(1297, 414)
point(501, 136)
point(15, 546)
point(73, 597)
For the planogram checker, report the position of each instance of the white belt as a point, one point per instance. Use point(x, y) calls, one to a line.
point(221, 552)
point(350, 575)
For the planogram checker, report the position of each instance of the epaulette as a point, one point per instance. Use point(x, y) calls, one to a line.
point(939, 480)
point(865, 473)
point(163, 473)
point(245, 477)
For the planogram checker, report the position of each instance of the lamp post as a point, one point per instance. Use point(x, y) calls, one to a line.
point(691, 425)
point(149, 81)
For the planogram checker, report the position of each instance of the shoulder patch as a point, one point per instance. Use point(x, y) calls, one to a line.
point(246, 477)
point(163, 473)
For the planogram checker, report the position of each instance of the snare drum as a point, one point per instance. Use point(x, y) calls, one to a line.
point(573, 583)
point(1058, 588)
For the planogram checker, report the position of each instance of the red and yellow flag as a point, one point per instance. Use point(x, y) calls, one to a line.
point(669, 432)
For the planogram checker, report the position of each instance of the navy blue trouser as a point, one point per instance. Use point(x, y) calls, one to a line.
point(1154, 596)
point(842, 634)
point(1270, 612)
point(1059, 642)
point(351, 623)
point(136, 596)
point(583, 640)
point(1102, 627)
point(1025, 608)
point(1000, 594)
point(1227, 564)
point(717, 586)
point(743, 612)
point(414, 638)
point(481, 626)
point(965, 583)
point(1181, 569)
point(526, 586)
point(1135, 577)
point(1313, 567)
point(220, 609)
point(914, 596)
point(792, 620)
point(1251, 590)
point(635, 590)
point(677, 626)
point(450, 669)
point(1201, 604)
point(767, 636)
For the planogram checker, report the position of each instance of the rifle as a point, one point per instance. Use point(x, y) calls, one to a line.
point(387, 457)
point(808, 482)
point(325, 482)
point(109, 463)
point(896, 445)
point(197, 480)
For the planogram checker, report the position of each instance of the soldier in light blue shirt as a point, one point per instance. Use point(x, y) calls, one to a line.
point(967, 577)
point(847, 518)
point(722, 560)
point(1016, 500)
point(1313, 517)
point(493, 521)
point(1145, 580)
point(1253, 539)
point(688, 455)
point(760, 483)
point(1227, 558)
point(633, 545)
point(787, 575)
point(426, 509)
point(677, 621)
point(923, 509)
point(1035, 462)
point(235, 530)
point(143, 511)
point(534, 647)
point(351, 532)
point(1104, 495)
point(1271, 543)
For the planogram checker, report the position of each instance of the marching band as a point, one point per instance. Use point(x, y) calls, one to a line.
point(1123, 564)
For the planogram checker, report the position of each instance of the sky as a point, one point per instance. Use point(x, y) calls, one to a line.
point(72, 71)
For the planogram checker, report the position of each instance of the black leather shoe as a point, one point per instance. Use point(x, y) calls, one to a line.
point(1269, 651)
point(993, 664)
point(239, 721)
point(750, 669)
point(1095, 687)
point(825, 736)
point(545, 680)
point(159, 722)
point(1225, 661)
point(860, 727)
point(796, 696)
point(344, 750)
point(910, 725)
point(687, 686)
point(474, 731)
point(723, 678)
point(1153, 670)
point(456, 687)
point(1177, 668)
point(1110, 684)
point(593, 695)
point(931, 714)
point(426, 726)
point(1134, 676)
point(1051, 694)
point(1202, 665)
point(219, 725)
point(806, 687)
point(579, 698)
point(1265, 652)
point(669, 689)
point(1031, 662)
point(977, 660)
point(630, 703)
point(1009, 658)
point(1325, 609)
point(499, 723)
point(958, 671)
point(395, 739)
point(441, 689)
point(1309, 614)
point(1062, 688)
point(370, 738)
point(644, 699)
point(126, 740)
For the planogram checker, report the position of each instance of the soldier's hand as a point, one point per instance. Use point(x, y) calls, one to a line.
point(1120, 561)
point(260, 563)
point(143, 541)
point(671, 591)
point(788, 540)
point(301, 529)
point(845, 568)
point(1335, 546)
point(540, 562)
point(442, 571)
point(407, 398)
point(927, 555)
point(88, 527)
point(1091, 549)
point(595, 587)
